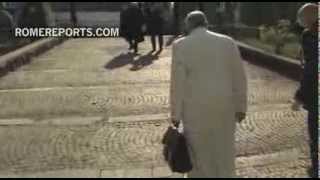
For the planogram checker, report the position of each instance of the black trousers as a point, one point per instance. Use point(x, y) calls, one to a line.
point(153, 41)
point(313, 136)
point(133, 43)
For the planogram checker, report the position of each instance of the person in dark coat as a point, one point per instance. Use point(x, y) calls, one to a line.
point(131, 22)
point(307, 94)
point(155, 23)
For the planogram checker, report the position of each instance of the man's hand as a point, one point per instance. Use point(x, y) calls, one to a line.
point(240, 116)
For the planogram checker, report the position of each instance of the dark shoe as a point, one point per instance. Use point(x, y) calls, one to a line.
point(150, 52)
point(135, 48)
point(136, 52)
point(158, 52)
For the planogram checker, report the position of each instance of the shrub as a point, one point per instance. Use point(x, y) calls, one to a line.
point(278, 35)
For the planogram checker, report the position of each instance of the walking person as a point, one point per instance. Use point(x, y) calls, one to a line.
point(307, 94)
point(208, 94)
point(131, 22)
point(155, 23)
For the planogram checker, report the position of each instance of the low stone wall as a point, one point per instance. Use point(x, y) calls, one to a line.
point(288, 67)
point(13, 60)
point(234, 31)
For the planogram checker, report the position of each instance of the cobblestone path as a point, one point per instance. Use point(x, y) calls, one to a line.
point(86, 108)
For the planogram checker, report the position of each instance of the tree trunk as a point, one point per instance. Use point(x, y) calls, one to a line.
point(47, 6)
point(73, 14)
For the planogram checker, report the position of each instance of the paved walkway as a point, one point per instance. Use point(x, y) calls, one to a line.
point(88, 109)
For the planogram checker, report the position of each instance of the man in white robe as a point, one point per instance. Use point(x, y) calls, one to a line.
point(209, 95)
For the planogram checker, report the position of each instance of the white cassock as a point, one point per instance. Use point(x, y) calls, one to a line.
point(208, 86)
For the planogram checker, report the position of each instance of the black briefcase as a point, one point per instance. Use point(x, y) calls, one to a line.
point(175, 151)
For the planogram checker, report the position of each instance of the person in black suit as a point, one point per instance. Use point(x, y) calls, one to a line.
point(155, 22)
point(131, 22)
point(307, 94)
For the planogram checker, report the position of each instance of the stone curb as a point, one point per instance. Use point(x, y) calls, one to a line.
point(13, 60)
point(282, 65)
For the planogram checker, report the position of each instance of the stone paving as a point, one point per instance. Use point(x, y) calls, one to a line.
point(86, 108)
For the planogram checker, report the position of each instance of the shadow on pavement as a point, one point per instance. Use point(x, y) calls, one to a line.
point(144, 60)
point(129, 58)
point(120, 61)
